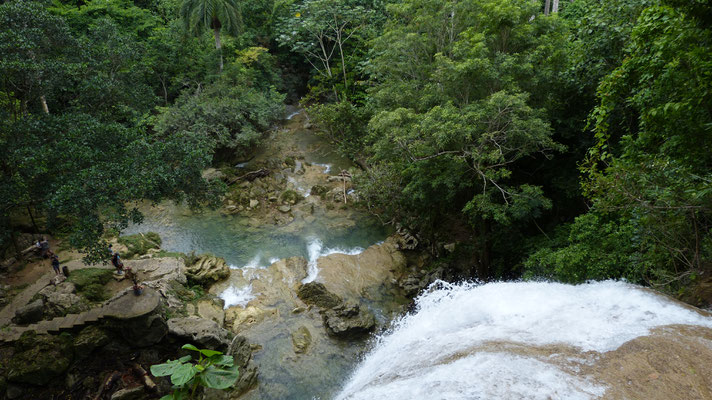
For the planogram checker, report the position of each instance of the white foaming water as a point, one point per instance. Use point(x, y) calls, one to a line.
point(327, 167)
point(237, 297)
point(432, 353)
point(292, 115)
point(316, 249)
point(298, 188)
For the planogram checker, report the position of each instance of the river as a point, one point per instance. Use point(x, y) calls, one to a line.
point(518, 340)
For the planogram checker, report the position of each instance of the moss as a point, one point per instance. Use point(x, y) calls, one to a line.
point(290, 161)
point(319, 190)
point(291, 197)
point(90, 282)
point(94, 292)
point(174, 254)
point(140, 243)
point(40, 358)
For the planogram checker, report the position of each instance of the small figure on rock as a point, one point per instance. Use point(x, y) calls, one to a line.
point(44, 248)
point(55, 264)
point(133, 277)
point(118, 264)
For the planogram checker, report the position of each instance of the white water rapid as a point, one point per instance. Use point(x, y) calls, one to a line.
point(485, 341)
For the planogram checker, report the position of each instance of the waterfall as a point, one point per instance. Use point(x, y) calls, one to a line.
point(485, 341)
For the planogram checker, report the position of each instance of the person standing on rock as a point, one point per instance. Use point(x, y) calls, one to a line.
point(44, 248)
point(55, 264)
point(118, 264)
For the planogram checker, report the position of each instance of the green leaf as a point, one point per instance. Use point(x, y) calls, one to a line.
point(216, 378)
point(182, 374)
point(190, 347)
point(167, 368)
point(223, 360)
point(210, 353)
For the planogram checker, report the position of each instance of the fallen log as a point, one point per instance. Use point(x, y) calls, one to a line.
point(145, 378)
point(250, 176)
point(108, 382)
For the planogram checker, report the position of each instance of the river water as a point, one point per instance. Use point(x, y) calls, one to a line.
point(250, 243)
point(524, 340)
point(494, 341)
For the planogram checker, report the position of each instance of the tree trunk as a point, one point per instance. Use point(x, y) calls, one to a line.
point(44, 104)
point(218, 46)
point(546, 7)
point(555, 6)
point(34, 224)
point(18, 251)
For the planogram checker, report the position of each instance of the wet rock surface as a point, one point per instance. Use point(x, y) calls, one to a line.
point(349, 320)
point(315, 293)
point(207, 270)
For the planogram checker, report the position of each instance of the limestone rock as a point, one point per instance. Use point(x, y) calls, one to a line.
point(144, 331)
point(349, 320)
point(241, 318)
point(61, 298)
point(30, 313)
point(212, 310)
point(301, 339)
point(284, 208)
point(39, 358)
point(89, 339)
point(207, 270)
point(241, 350)
point(254, 203)
point(212, 174)
point(316, 293)
point(204, 332)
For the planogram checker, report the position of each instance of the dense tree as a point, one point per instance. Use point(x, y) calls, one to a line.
point(214, 14)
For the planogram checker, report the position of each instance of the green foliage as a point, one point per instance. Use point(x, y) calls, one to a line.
point(140, 243)
point(343, 123)
point(330, 34)
point(212, 369)
point(648, 172)
point(227, 115)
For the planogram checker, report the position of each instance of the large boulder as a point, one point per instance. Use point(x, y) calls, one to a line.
point(61, 299)
point(30, 313)
point(39, 358)
point(89, 339)
point(204, 332)
point(315, 293)
point(348, 320)
point(207, 270)
point(144, 331)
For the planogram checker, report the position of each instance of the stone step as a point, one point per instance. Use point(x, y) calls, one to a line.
point(92, 315)
point(54, 325)
point(69, 321)
point(40, 327)
point(12, 334)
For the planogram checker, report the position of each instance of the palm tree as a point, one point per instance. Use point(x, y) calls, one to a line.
point(216, 14)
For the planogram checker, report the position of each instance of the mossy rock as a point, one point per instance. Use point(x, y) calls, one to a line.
point(139, 244)
point(316, 293)
point(89, 339)
point(319, 190)
point(290, 161)
point(40, 358)
point(90, 282)
point(291, 197)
